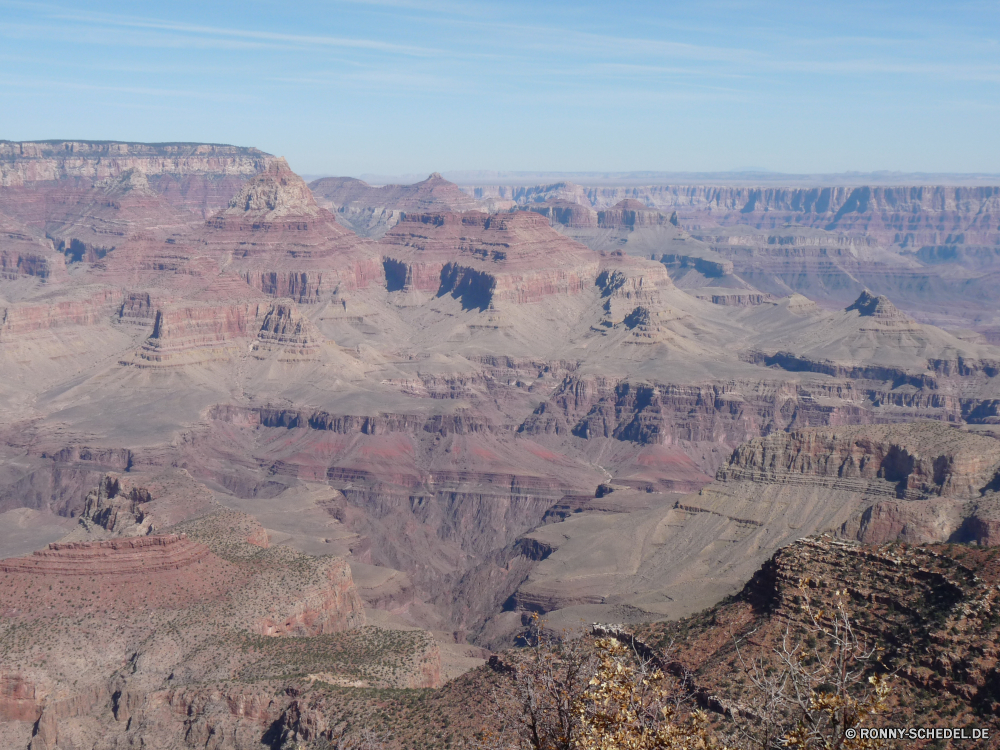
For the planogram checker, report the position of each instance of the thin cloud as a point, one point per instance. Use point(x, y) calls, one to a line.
point(300, 40)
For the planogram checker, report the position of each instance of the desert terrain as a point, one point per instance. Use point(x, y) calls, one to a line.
point(269, 449)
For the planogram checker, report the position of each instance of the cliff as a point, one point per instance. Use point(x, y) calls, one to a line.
point(42, 161)
point(190, 334)
point(918, 483)
point(83, 307)
point(894, 215)
point(372, 211)
point(918, 460)
point(485, 260)
point(47, 178)
point(930, 608)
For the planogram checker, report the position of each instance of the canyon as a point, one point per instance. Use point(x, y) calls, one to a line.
point(394, 422)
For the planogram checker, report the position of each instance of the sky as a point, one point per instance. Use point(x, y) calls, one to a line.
point(414, 86)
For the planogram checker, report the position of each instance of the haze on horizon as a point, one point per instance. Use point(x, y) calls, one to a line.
point(414, 86)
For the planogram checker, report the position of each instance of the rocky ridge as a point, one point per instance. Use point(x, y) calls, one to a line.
point(932, 248)
point(372, 211)
point(203, 619)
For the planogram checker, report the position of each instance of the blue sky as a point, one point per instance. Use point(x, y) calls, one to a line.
point(411, 86)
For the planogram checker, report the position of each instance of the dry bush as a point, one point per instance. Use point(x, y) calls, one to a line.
point(629, 705)
point(535, 700)
point(821, 678)
point(577, 695)
point(815, 683)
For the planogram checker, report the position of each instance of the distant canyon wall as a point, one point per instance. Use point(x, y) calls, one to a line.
point(903, 214)
point(26, 162)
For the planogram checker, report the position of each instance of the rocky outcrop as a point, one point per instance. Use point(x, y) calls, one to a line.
point(878, 307)
point(632, 294)
point(372, 211)
point(929, 609)
point(485, 260)
point(633, 214)
point(191, 334)
point(27, 162)
point(329, 605)
point(273, 195)
point(566, 213)
point(286, 331)
point(732, 297)
point(916, 461)
point(116, 506)
point(709, 267)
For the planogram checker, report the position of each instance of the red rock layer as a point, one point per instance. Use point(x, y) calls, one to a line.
point(329, 607)
point(24, 319)
point(146, 572)
point(272, 235)
point(187, 334)
point(486, 259)
point(925, 459)
point(148, 554)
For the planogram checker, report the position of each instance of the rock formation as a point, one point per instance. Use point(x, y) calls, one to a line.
point(372, 211)
point(189, 175)
point(918, 483)
point(933, 249)
point(184, 613)
point(512, 258)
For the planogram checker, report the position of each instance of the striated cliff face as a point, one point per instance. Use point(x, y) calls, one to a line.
point(189, 334)
point(116, 506)
point(633, 214)
point(87, 307)
point(62, 182)
point(515, 258)
point(326, 604)
point(286, 331)
point(918, 460)
point(920, 482)
point(270, 196)
point(26, 162)
point(920, 214)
